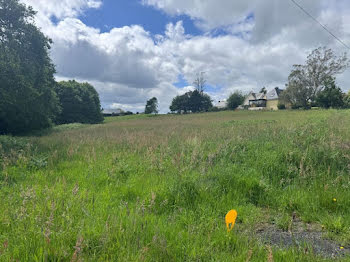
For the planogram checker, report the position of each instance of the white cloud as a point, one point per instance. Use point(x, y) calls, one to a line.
point(62, 8)
point(127, 66)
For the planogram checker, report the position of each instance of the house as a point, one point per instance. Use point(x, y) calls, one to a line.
point(273, 98)
point(221, 104)
point(262, 101)
point(255, 101)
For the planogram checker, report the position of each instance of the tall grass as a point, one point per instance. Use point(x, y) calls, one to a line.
point(158, 188)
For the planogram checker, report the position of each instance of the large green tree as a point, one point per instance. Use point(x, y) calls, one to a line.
point(152, 106)
point(236, 99)
point(193, 101)
point(308, 80)
point(27, 98)
point(331, 96)
point(181, 104)
point(80, 103)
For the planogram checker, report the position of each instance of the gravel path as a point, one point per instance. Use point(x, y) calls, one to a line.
point(304, 237)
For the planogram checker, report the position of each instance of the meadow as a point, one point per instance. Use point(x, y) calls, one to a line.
point(157, 188)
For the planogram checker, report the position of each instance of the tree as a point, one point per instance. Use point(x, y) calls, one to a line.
point(192, 101)
point(331, 96)
point(297, 95)
point(199, 102)
point(181, 103)
point(199, 82)
point(321, 65)
point(80, 103)
point(27, 98)
point(347, 100)
point(235, 100)
point(152, 106)
point(306, 81)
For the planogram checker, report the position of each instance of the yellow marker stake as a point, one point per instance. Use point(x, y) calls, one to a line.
point(230, 219)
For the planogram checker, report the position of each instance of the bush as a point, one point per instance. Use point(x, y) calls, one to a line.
point(9, 143)
point(331, 96)
point(281, 106)
point(235, 100)
point(193, 101)
point(80, 103)
point(215, 109)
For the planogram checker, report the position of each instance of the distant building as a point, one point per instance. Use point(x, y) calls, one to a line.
point(262, 101)
point(273, 98)
point(255, 101)
point(221, 104)
point(112, 112)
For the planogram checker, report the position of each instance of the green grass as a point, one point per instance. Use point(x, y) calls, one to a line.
point(141, 188)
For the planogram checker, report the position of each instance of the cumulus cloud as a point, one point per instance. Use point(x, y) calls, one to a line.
point(129, 65)
point(62, 8)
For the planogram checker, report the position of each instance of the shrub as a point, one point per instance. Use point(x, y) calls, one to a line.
point(235, 100)
point(281, 106)
point(80, 103)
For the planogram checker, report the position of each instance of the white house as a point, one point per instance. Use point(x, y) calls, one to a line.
point(221, 104)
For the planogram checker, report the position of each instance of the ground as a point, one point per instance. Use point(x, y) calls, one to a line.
point(157, 188)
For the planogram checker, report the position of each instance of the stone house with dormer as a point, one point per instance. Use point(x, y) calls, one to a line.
point(262, 101)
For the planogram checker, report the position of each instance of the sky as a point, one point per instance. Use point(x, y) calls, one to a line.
point(132, 50)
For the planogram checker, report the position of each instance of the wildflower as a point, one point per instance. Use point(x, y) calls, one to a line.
point(341, 247)
point(334, 200)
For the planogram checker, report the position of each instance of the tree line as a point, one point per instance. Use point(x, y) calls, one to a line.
point(30, 98)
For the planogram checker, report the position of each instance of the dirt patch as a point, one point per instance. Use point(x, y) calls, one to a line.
point(306, 237)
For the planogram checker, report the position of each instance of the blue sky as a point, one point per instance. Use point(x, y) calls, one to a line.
point(116, 14)
point(119, 13)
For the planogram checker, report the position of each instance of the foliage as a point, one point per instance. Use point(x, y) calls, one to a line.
point(141, 189)
point(193, 101)
point(306, 81)
point(80, 103)
point(9, 143)
point(235, 100)
point(199, 102)
point(152, 106)
point(27, 98)
point(181, 103)
point(331, 96)
point(281, 106)
point(297, 95)
point(347, 100)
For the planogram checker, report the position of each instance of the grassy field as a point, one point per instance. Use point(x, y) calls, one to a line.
point(158, 188)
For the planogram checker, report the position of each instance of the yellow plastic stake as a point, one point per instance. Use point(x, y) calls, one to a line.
point(230, 219)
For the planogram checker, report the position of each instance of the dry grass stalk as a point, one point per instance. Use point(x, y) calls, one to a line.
point(249, 256)
point(269, 254)
point(78, 249)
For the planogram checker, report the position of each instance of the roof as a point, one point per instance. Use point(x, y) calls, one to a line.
point(256, 96)
point(260, 96)
point(274, 94)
